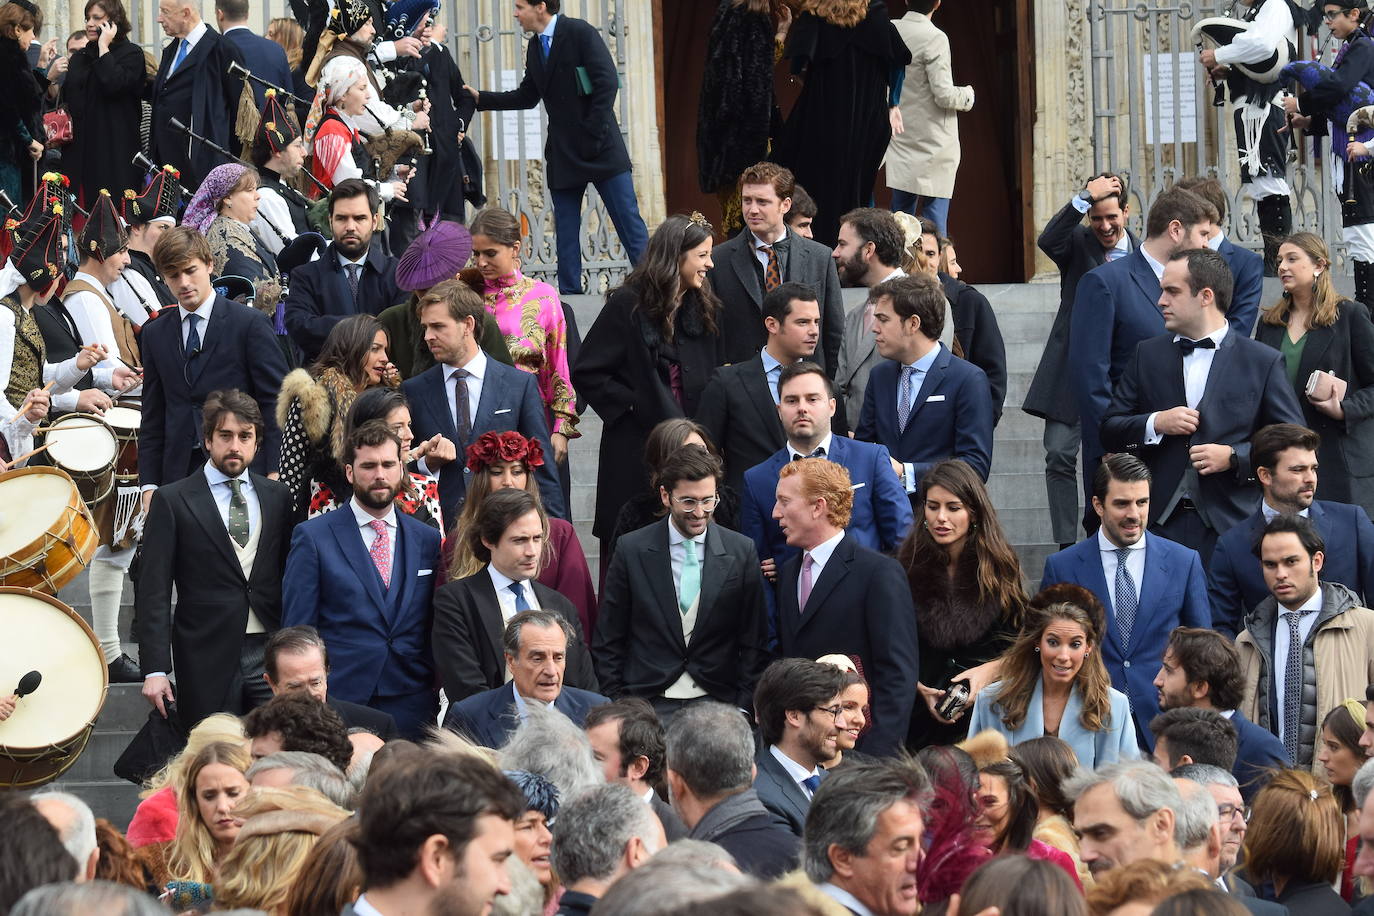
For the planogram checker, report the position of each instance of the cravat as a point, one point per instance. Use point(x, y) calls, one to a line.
point(353, 271)
point(192, 336)
point(1188, 346)
point(181, 55)
point(812, 783)
point(381, 551)
point(804, 586)
point(520, 603)
point(1292, 686)
point(547, 42)
point(1124, 597)
point(772, 275)
point(690, 585)
point(904, 399)
point(462, 419)
point(238, 514)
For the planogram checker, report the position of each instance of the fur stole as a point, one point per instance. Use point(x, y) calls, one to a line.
point(324, 406)
point(952, 614)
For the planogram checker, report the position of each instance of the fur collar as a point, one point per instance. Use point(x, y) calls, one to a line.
point(952, 614)
point(324, 406)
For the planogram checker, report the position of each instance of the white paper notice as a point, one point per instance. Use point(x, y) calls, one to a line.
point(513, 122)
point(1159, 78)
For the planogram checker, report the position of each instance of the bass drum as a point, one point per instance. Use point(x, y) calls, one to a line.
point(47, 534)
point(49, 728)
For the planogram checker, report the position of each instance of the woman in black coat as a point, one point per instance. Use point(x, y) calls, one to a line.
point(21, 101)
point(1318, 330)
point(648, 357)
point(104, 93)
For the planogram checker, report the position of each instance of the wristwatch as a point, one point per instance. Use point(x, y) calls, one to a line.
point(1086, 196)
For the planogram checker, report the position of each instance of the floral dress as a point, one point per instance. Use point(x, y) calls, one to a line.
point(531, 319)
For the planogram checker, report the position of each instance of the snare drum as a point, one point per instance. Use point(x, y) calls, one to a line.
point(47, 533)
point(50, 727)
point(124, 421)
point(85, 447)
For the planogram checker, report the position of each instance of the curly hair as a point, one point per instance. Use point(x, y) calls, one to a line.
point(1022, 670)
point(305, 724)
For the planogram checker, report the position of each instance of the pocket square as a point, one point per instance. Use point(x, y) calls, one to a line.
point(935, 397)
point(425, 572)
point(501, 411)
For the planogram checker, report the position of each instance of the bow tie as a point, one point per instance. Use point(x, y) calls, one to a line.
point(818, 453)
point(1188, 346)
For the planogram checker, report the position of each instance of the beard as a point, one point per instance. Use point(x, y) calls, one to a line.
point(454, 899)
point(851, 271)
point(377, 499)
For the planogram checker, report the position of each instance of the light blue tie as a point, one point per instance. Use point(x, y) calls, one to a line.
point(690, 585)
point(181, 55)
point(1114, 253)
point(547, 42)
point(904, 399)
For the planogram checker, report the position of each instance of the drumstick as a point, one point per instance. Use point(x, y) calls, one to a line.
point(29, 454)
point(24, 406)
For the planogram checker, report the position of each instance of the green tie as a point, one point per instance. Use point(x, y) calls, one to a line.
point(238, 514)
point(691, 578)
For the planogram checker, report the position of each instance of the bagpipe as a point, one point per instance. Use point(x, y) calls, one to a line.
point(1345, 125)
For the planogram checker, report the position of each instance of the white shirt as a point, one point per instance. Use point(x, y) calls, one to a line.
point(1215, 241)
point(824, 447)
point(361, 907)
point(203, 313)
point(1305, 624)
point(920, 369)
point(476, 369)
point(1196, 366)
point(92, 319)
point(1271, 26)
point(369, 534)
point(794, 769)
point(1135, 562)
point(1270, 513)
point(1156, 266)
point(762, 256)
point(505, 597)
point(191, 40)
point(677, 556)
point(820, 555)
point(833, 891)
point(224, 494)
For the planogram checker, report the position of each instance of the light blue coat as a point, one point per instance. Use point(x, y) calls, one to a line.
point(1113, 743)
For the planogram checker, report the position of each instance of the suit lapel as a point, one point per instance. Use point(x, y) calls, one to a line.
point(1314, 351)
point(1090, 572)
point(756, 387)
point(489, 609)
point(1144, 277)
point(935, 376)
point(350, 540)
point(394, 598)
point(1156, 580)
point(714, 567)
point(216, 329)
point(836, 568)
point(1177, 392)
point(438, 403)
point(493, 393)
point(1216, 374)
point(743, 263)
point(659, 568)
point(203, 507)
point(502, 714)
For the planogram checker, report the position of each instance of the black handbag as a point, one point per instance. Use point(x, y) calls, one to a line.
point(158, 741)
point(471, 165)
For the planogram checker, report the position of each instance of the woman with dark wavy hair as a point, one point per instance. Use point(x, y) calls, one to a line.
point(1053, 682)
point(648, 357)
point(966, 585)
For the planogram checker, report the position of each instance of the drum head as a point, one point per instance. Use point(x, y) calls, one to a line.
point(30, 504)
point(123, 418)
point(42, 634)
point(81, 443)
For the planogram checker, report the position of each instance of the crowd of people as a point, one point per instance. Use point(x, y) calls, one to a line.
point(808, 675)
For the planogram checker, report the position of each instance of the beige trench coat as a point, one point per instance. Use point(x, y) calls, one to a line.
point(925, 156)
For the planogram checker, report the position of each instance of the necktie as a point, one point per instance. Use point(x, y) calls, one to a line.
point(353, 271)
point(1188, 346)
point(381, 551)
point(690, 585)
point(804, 585)
point(904, 399)
point(462, 418)
point(547, 42)
point(238, 514)
point(812, 783)
point(1124, 596)
point(520, 603)
point(181, 55)
point(1114, 253)
point(772, 274)
point(192, 335)
point(1292, 686)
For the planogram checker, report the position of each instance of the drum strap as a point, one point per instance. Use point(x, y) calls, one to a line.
point(123, 327)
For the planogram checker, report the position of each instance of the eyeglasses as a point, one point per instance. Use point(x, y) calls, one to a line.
point(1329, 15)
point(692, 504)
point(1227, 812)
point(835, 711)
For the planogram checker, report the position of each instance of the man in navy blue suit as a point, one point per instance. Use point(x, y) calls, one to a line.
point(1285, 460)
point(363, 576)
point(1116, 307)
point(208, 343)
point(1201, 668)
point(882, 512)
point(263, 57)
point(923, 402)
point(1190, 400)
point(536, 646)
point(1247, 267)
point(1148, 585)
point(465, 394)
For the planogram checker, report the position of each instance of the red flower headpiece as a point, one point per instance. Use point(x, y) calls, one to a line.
point(508, 446)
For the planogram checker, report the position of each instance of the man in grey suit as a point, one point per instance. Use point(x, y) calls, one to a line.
point(797, 704)
point(869, 251)
point(765, 255)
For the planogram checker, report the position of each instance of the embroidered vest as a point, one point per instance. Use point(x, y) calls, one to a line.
point(26, 369)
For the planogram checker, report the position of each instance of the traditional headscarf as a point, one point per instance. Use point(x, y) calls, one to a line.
point(204, 206)
point(335, 80)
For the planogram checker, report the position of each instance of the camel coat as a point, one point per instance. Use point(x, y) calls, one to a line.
point(924, 157)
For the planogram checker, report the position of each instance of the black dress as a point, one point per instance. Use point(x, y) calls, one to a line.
point(105, 97)
point(440, 175)
point(21, 108)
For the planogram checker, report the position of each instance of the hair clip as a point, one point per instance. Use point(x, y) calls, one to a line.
point(1312, 794)
point(697, 219)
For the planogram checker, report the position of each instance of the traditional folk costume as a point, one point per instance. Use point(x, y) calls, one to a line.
point(140, 293)
point(281, 208)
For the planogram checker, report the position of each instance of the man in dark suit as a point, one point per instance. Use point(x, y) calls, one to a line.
point(296, 658)
point(363, 576)
point(1147, 585)
point(1247, 267)
point(797, 704)
point(193, 86)
point(739, 407)
point(569, 69)
point(627, 739)
point(923, 402)
point(1285, 460)
point(465, 394)
point(601, 836)
point(1201, 669)
point(471, 614)
point(1075, 249)
point(838, 597)
point(536, 644)
point(352, 277)
point(208, 343)
point(1189, 401)
point(1116, 306)
point(682, 616)
point(263, 57)
point(219, 539)
point(871, 249)
point(765, 255)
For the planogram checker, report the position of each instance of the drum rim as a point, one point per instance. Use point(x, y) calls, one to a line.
point(93, 474)
point(40, 545)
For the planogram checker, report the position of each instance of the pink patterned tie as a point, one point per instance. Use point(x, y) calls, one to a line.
point(381, 551)
point(804, 587)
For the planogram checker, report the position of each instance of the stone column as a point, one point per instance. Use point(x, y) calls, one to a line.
point(1062, 137)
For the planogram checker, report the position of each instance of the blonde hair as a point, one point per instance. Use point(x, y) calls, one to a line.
point(823, 479)
point(288, 33)
point(212, 729)
point(281, 826)
point(329, 878)
point(844, 13)
point(192, 854)
point(1145, 881)
point(1325, 299)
